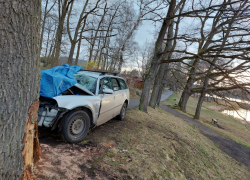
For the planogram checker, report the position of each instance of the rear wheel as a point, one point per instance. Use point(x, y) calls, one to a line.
point(75, 126)
point(122, 114)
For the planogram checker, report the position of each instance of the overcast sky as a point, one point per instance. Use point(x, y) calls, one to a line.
point(145, 33)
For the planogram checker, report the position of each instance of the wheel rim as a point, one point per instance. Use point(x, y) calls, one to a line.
point(76, 127)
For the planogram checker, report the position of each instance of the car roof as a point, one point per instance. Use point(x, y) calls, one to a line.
point(90, 73)
point(96, 74)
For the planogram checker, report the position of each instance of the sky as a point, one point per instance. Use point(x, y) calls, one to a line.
point(145, 33)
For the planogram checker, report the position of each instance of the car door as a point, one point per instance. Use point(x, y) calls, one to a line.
point(107, 102)
point(124, 87)
point(118, 96)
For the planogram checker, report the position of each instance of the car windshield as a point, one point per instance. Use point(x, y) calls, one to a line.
point(86, 81)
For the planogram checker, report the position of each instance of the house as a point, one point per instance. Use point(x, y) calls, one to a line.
point(138, 82)
point(133, 81)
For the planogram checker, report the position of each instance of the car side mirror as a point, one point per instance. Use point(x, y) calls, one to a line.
point(107, 91)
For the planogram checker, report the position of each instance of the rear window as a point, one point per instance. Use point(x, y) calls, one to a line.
point(123, 84)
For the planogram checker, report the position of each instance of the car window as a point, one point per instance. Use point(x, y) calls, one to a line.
point(115, 84)
point(86, 81)
point(123, 84)
point(104, 83)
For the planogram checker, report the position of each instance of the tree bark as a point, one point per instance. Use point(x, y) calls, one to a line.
point(120, 59)
point(59, 32)
point(187, 90)
point(160, 74)
point(162, 86)
point(47, 43)
point(157, 56)
point(19, 87)
point(78, 49)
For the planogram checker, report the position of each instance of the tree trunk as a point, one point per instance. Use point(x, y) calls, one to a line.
point(162, 87)
point(59, 33)
point(184, 98)
point(96, 33)
point(97, 51)
point(71, 53)
point(105, 60)
point(199, 104)
point(78, 49)
point(157, 56)
point(120, 59)
point(74, 40)
point(157, 85)
point(47, 43)
point(43, 23)
point(19, 88)
point(44, 19)
point(160, 74)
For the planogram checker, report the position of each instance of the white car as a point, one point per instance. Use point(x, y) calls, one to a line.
point(96, 98)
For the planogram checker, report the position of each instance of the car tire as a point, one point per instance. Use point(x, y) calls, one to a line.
point(123, 111)
point(74, 126)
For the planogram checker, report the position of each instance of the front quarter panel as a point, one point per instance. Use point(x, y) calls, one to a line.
point(71, 102)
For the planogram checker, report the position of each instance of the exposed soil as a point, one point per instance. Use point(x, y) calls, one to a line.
point(62, 160)
point(233, 149)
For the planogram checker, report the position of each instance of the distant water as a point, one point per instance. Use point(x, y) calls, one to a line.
point(242, 114)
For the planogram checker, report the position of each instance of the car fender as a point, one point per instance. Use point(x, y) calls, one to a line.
point(126, 96)
point(71, 102)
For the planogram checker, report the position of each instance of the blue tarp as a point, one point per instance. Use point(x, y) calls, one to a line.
point(58, 79)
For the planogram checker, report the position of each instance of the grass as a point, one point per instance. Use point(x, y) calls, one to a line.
point(230, 127)
point(158, 145)
point(135, 92)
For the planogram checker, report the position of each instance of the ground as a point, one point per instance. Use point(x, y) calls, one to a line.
point(228, 127)
point(157, 145)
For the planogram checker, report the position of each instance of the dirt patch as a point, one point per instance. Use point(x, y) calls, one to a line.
point(61, 160)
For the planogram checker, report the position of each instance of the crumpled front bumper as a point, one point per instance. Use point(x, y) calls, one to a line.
point(47, 115)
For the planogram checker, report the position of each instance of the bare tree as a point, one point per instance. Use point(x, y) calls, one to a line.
point(157, 57)
point(81, 22)
point(130, 24)
point(45, 16)
point(222, 44)
point(161, 76)
point(208, 39)
point(63, 6)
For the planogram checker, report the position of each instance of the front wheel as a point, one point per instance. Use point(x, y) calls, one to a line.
point(75, 126)
point(123, 111)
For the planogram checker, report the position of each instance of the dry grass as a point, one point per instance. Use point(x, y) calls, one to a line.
point(159, 145)
point(135, 93)
point(231, 128)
